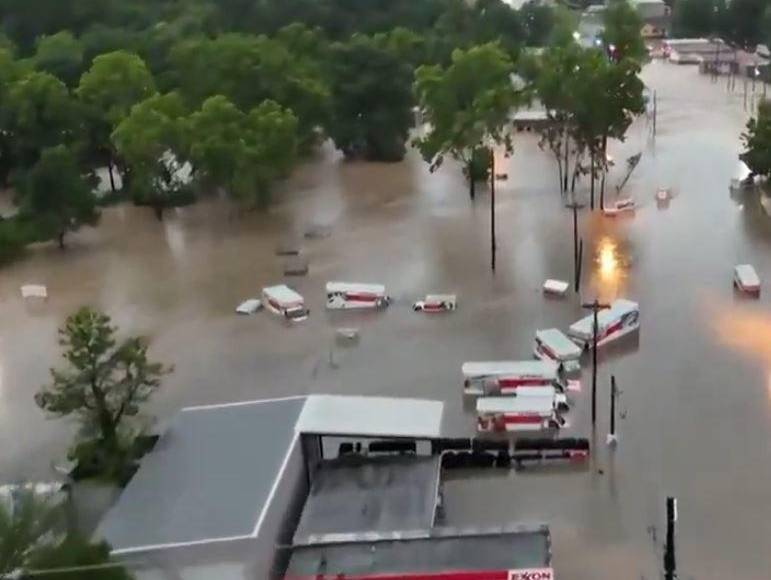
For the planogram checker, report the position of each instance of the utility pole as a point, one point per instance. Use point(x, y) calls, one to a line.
point(612, 439)
point(492, 209)
point(577, 281)
point(655, 112)
point(574, 206)
point(595, 307)
point(670, 562)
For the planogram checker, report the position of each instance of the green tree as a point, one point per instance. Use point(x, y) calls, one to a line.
point(12, 241)
point(24, 530)
point(151, 142)
point(757, 142)
point(538, 21)
point(38, 113)
point(250, 69)
point(607, 97)
point(622, 31)
point(370, 118)
point(697, 18)
point(103, 385)
point(60, 54)
point(466, 105)
point(743, 23)
point(554, 84)
point(71, 558)
point(55, 196)
point(115, 82)
point(10, 71)
point(242, 153)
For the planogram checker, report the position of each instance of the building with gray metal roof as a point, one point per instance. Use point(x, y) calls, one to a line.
point(244, 490)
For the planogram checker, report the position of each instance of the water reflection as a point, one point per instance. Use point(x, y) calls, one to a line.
point(607, 259)
point(748, 332)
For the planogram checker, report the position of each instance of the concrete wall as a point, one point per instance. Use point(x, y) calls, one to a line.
point(281, 519)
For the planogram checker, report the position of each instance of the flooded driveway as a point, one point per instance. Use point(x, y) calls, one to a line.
point(696, 384)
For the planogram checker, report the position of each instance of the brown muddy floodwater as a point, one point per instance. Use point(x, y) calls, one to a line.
point(696, 385)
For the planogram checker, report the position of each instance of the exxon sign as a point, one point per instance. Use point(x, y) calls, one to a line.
point(532, 574)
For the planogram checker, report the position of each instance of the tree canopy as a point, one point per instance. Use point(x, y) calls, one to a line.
point(115, 82)
point(370, 118)
point(466, 105)
point(621, 31)
point(152, 143)
point(243, 153)
point(38, 112)
point(757, 142)
point(55, 194)
point(97, 77)
point(60, 54)
point(34, 537)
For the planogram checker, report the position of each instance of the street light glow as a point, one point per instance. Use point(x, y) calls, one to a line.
point(607, 259)
point(576, 36)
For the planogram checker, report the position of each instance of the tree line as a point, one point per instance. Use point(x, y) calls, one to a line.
point(745, 23)
point(179, 97)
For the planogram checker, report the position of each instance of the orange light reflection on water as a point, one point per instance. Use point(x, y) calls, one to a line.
point(745, 331)
point(607, 259)
point(748, 332)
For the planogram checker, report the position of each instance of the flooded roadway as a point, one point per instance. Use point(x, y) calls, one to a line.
point(696, 385)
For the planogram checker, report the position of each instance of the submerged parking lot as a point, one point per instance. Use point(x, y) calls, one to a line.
point(696, 384)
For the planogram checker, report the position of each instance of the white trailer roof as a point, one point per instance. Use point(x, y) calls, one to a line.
point(529, 367)
point(371, 416)
point(441, 297)
point(355, 287)
point(527, 405)
point(747, 275)
point(283, 294)
point(560, 344)
point(605, 317)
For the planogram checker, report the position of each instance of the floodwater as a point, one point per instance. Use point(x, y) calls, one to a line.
point(696, 384)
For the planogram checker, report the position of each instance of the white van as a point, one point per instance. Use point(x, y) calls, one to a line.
point(344, 295)
point(510, 377)
point(284, 301)
point(552, 344)
point(499, 414)
point(746, 279)
point(620, 319)
point(436, 303)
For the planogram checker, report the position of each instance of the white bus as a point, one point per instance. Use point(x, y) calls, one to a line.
point(343, 295)
point(552, 344)
point(510, 377)
point(284, 301)
point(500, 414)
point(620, 319)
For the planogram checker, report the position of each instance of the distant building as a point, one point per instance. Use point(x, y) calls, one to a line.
point(655, 14)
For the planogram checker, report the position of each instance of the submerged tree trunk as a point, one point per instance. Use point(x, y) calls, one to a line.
point(60, 240)
point(604, 170)
point(567, 160)
point(158, 210)
point(576, 169)
point(110, 166)
point(591, 177)
point(471, 182)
